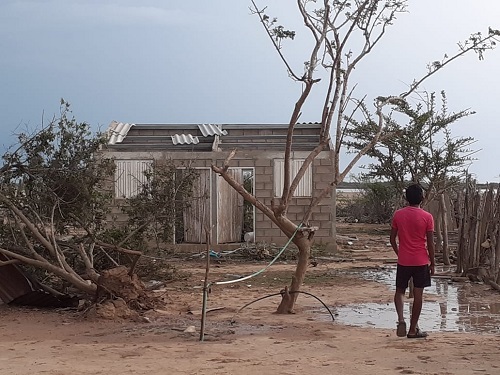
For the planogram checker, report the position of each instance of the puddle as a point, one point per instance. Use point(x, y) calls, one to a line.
point(453, 312)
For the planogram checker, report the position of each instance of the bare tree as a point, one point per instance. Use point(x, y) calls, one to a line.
point(344, 33)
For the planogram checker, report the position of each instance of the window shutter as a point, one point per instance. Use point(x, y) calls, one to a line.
point(129, 176)
point(304, 188)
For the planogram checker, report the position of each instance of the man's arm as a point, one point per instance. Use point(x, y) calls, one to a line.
point(430, 249)
point(394, 234)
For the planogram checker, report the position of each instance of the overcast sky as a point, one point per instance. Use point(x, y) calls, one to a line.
point(210, 62)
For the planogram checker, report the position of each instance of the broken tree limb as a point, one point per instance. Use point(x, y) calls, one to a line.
point(493, 284)
point(228, 160)
point(136, 253)
point(32, 228)
point(109, 256)
point(118, 248)
point(93, 275)
point(28, 242)
point(7, 262)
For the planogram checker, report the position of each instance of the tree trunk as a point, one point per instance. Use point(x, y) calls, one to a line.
point(463, 250)
point(496, 239)
point(473, 258)
point(444, 229)
point(290, 294)
point(497, 259)
point(439, 232)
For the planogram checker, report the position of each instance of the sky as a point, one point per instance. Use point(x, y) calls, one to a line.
point(198, 61)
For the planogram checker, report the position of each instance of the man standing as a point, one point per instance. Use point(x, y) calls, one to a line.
point(414, 229)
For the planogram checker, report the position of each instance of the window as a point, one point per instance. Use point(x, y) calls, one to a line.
point(304, 188)
point(129, 176)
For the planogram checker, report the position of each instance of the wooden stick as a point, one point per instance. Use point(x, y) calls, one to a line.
point(205, 285)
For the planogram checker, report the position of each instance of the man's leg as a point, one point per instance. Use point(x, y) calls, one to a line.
point(399, 303)
point(402, 276)
point(418, 294)
point(422, 279)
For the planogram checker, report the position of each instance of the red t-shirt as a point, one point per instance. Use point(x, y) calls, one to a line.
point(412, 224)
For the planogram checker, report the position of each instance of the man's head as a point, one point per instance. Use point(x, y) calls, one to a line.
point(414, 194)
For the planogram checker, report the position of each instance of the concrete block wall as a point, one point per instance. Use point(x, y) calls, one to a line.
point(263, 164)
point(265, 229)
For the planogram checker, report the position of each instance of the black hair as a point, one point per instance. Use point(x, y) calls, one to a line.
point(414, 194)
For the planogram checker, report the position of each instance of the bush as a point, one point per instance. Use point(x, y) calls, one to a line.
point(375, 203)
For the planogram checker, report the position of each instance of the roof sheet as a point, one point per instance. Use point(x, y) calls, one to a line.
point(117, 131)
point(183, 139)
point(211, 130)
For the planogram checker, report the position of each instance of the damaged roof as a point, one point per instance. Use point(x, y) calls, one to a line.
point(211, 137)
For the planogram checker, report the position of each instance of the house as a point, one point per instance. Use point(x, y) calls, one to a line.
point(259, 159)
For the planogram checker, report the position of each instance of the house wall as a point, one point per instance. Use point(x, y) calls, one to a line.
point(262, 162)
point(265, 229)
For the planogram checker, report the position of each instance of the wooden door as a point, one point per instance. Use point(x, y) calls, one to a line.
point(229, 209)
point(197, 217)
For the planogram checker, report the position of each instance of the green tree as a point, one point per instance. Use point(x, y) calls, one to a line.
point(53, 199)
point(374, 203)
point(422, 150)
point(157, 210)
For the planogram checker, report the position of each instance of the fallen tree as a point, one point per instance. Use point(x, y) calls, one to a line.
point(53, 200)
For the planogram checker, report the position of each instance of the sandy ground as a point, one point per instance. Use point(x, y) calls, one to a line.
point(257, 342)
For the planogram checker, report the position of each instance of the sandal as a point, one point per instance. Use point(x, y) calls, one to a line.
point(417, 335)
point(401, 329)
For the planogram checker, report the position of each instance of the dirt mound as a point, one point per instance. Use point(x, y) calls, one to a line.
point(121, 295)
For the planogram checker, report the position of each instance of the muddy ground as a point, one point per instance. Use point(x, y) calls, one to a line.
point(253, 340)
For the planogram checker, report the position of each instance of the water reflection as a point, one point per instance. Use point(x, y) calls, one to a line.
point(453, 310)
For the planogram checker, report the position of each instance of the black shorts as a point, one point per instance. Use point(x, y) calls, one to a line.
point(421, 276)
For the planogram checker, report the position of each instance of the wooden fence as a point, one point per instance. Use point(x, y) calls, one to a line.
point(478, 249)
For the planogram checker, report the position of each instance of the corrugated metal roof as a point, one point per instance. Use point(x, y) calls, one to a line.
point(205, 129)
point(17, 288)
point(211, 130)
point(184, 139)
point(204, 137)
point(117, 131)
point(13, 282)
